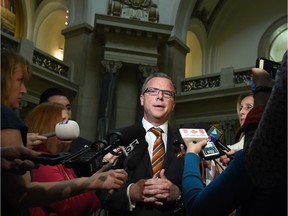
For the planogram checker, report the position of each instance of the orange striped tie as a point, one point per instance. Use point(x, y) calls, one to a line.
point(158, 151)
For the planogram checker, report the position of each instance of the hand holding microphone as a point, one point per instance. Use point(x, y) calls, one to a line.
point(64, 130)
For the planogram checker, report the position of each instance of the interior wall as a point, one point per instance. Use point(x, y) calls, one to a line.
point(49, 37)
point(234, 38)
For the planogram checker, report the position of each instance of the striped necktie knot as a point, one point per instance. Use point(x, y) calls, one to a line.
point(156, 131)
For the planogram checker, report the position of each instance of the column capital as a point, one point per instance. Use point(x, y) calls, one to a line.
point(111, 66)
point(146, 70)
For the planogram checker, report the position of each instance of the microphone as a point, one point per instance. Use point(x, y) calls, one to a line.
point(126, 137)
point(132, 160)
point(65, 130)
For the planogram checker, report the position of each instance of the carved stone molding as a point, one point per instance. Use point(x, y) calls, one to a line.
point(111, 66)
point(144, 10)
point(146, 70)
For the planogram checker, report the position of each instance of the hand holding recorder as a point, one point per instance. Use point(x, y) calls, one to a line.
point(195, 137)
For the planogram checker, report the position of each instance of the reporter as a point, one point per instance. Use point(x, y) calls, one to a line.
point(251, 189)
point(18, 192)
point(245, 103)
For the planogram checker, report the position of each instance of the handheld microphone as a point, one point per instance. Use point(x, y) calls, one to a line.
point(132, 160)
point(118, 137)
point(135, 156)
point(65, 130)
point(126, 135)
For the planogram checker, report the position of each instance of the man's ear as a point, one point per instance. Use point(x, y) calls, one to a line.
point(141, 100)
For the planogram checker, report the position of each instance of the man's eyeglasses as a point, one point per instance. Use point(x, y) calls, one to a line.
point(155, 91)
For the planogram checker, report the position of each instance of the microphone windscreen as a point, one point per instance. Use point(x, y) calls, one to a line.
point(67, 130)
point(127, 135)
point(135, 156)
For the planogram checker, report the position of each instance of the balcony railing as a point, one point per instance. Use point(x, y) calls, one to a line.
point(50, 63)
point(39, 58)
point(232, 78)
point(240, 77)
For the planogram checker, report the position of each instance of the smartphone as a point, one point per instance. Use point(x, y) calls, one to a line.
point(270, 66)
point(210, 151)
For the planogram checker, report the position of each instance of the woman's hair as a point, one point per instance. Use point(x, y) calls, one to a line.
point(240, 98)
point(44, 117)
point(9, 60)
point(153, 75)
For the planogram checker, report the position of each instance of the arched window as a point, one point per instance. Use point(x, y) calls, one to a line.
point(194, 57)
point(273, 43)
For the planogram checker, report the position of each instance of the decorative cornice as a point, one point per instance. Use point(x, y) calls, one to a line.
point(176, 42)
point(119, 25)
point(83, 28)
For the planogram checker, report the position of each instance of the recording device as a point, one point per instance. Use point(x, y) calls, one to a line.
point(90, 158)
point(215, 135)
point(217, 148)
point(65, 130)
point(270, 66)
point(209, 151)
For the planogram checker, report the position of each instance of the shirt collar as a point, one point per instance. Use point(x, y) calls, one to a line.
point(147, 125)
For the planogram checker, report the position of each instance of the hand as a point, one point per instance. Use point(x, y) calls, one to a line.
point(112, 179)
point(196, 148)
point(11, 162)
point(110, 160)
point(262, 78)
point(136, 191)
point(160, 190)
point(225, 159)
point(34, 139)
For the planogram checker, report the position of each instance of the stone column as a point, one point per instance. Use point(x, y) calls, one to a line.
point(144, 72)
point(108, 100)
point(229, 132)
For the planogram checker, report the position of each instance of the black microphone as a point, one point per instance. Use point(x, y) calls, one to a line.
point(115, 138)
point(134, 157)
point(126, 135)
point(132, 160)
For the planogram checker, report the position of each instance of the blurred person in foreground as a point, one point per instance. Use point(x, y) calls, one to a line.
point(256, 179)
point(18, 192)
point(11, 159)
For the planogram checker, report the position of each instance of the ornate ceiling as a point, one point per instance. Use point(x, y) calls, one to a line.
point(206, 11)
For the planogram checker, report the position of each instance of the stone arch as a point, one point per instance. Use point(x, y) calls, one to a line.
point(271, 33)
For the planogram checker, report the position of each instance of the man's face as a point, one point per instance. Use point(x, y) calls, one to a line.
point(62, 100)
point(157, 108)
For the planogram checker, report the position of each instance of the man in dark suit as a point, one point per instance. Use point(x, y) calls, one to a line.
point(149, 191)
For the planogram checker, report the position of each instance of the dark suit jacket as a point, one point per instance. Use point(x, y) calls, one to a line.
point(117, 204)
